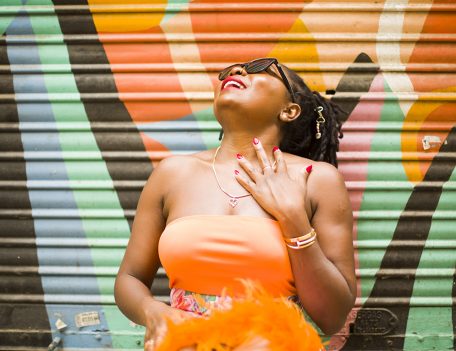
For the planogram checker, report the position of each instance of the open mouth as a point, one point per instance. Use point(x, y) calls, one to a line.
point(232, 82)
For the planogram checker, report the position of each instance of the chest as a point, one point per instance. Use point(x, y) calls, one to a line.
point(203, 193)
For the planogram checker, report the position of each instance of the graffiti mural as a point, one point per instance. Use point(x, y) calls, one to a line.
point(94, 93)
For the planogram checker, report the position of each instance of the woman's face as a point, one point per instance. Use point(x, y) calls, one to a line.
point(257, 96)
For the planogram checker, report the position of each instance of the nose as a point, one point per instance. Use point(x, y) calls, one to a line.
point(238, 70)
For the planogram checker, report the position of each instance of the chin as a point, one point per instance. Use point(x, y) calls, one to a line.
point(228, 104)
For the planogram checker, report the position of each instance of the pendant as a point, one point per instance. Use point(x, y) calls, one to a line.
point(233, 202)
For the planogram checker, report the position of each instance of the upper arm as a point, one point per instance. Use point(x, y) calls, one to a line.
point(333, 219)
point(141, 256)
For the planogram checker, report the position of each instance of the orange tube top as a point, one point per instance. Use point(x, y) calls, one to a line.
point(207, 253)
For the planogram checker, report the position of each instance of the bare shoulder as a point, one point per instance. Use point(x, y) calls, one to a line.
point(322, 172)
point(177, 167)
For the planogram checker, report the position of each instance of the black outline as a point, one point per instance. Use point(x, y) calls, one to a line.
point(128, 139)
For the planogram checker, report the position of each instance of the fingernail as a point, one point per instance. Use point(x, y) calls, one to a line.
point(239, 156)
point(275, 148)
point(309, 169)
point(255, 141)
point(236, 172)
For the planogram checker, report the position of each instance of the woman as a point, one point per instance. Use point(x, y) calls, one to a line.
point(249, 209)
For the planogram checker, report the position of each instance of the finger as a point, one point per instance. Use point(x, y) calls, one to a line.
point(149, 339)
point(248, 168)
point(148, 335)
point(246, 183)
point(149, 345)
point(281, 165)
point(160, 333)
point(306, 172)
point(262, 157)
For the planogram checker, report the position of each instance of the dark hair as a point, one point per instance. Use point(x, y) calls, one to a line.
point(299, 136)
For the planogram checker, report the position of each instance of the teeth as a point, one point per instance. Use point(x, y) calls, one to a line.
point(234, 84)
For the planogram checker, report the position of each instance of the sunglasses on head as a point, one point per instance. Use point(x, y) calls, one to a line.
point(257, 66)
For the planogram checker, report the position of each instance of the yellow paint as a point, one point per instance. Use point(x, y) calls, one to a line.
point(410, 143)
point(119, 20)
point(300, 52)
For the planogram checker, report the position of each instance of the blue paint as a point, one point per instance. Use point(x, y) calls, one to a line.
point(169, 15)
point(34, 112)
point(176, 141)
point(64, 257)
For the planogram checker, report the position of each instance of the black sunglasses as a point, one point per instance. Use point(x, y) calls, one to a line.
point(257, 66)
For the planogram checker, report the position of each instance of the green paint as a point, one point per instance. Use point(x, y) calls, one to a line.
point(440, 287)
point(380, 211)
point(74, 145)
point(210, 136)
point(8, 17)
point(173, 8)
point(47, 3)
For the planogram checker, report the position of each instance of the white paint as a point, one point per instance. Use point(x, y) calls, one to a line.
point(190, 53)
point(389, 53)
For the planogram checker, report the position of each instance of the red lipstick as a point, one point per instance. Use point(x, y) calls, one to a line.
point(233, 79)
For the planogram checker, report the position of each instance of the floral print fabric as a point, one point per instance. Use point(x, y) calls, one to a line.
point(202, 304)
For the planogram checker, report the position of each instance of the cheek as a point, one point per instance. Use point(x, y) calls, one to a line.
point(268, 94)
point(270, 88)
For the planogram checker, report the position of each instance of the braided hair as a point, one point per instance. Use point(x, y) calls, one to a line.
point(299, 136)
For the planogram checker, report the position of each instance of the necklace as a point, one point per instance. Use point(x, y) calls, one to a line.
point(234, 199)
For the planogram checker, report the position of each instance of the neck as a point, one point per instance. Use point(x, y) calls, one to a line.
point(242, 143)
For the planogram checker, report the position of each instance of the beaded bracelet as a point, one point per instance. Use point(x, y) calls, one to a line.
point(301, 242)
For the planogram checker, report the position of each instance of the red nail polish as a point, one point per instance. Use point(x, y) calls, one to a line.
point(275, 148)
point(239, 156)
point(255, 141)
point(309, 169)
point(236, 172)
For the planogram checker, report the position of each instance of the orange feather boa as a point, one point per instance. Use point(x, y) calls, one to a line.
point(278, 321)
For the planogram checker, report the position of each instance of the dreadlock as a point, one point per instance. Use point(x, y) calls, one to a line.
point(299, 137)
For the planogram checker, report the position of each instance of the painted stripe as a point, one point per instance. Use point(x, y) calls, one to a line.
point(442, 287)
point(30, 332)
point(409, 230)
point(354, 109)
point(389, 52)
point(179, 140)
point(364, 230)
point(38, 170)
point(114, 111)
point(123, 333)
point(188, 81)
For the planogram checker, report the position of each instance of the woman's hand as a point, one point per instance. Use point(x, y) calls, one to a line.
point(276, 191)
point(156, 326)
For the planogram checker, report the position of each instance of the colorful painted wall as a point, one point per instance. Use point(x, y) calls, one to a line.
point(93, 93)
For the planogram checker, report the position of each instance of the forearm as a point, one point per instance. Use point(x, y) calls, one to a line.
point(133, 297)
point(322, 289)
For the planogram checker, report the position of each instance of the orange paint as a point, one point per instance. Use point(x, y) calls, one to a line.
point(121, 21)
point(154, 146)
point(432, 117)
point(249, 23)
